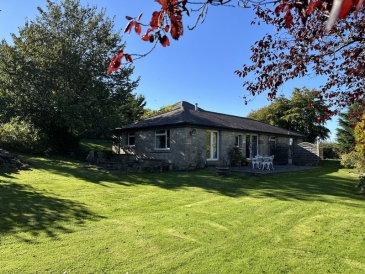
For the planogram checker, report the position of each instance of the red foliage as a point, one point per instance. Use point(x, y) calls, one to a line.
point(156, 20)
point(171, 11)
point(116, 61)
point(164, 40)
point(309, 47)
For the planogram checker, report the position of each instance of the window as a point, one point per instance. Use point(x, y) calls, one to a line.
point(212, 145)
point(238, 141)
point(162, 139)
point(131, 139)
point(272, 142)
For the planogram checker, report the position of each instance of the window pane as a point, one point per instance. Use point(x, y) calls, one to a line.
point(208, 145)
point(215, 145)
point(248, 139)
point(168, 139)
point(160, 141)
point(132, 140)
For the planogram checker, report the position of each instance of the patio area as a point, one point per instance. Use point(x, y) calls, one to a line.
point(277, 169)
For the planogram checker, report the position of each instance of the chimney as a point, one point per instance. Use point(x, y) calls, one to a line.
point(196, 106)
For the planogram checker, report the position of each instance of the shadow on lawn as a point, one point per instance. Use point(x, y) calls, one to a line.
point(316, 184)
point(23, 209)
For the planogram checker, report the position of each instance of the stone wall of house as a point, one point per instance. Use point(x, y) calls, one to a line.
point(188, 147)
point(264, 148)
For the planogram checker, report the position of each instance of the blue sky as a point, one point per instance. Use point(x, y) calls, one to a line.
point(199, 68)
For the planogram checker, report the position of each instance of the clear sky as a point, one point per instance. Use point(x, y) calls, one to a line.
point(199, 68)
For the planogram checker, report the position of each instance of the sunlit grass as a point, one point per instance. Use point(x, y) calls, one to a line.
point(97, 145)
point(62, 217)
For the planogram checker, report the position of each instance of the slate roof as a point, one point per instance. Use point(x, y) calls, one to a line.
point(184, 114)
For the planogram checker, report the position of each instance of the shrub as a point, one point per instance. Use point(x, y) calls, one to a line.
point(22, 136)
point(236, 157)
point(354, 160)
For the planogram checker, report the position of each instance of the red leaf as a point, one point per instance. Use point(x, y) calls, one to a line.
point(128, 57)
point(164, 40)
point(155, 20)
point(312, 5)
point(146, 37)
point(288, 19)
point(163, 3)
point(176, 30)
point(129, 18)
point(151, 38)
point(280, 8)
point(345, 8)
point(116, 62)
point(138, 28)
point(139, 17)
point(129, 26)
point(167, 27)
point(120, 53)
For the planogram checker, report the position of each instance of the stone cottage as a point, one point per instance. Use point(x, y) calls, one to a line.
point(190, 136)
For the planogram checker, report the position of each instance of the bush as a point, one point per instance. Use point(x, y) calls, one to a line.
point(236, 157)
point(22, 136)
point(354, 160)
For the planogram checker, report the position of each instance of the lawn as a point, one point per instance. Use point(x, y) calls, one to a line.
point(64, 218)
point(97, 145)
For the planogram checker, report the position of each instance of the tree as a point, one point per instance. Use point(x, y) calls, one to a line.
point(304, 44)
point(53, 76)
point(359, 132)
point(294, 114)
point(356, 157)
point(345, 132)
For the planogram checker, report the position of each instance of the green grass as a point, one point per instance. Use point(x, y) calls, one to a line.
point(97, 145)
point(61, 217)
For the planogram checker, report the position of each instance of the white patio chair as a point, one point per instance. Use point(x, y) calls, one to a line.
point(268, 162)
point(255, 163)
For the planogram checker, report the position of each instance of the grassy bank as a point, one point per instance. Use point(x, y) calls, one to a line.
point(61, 217)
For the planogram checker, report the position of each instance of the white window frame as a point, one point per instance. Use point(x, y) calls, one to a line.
point(161, 133)
point(211, 157)
point(131, 135)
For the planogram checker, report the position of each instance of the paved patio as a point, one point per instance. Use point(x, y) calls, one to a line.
point(277, 169)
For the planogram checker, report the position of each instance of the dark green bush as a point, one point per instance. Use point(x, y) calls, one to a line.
point(236, 157)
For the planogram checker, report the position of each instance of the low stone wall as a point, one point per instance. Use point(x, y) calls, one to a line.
point(127, 163)
point(301, 154)
point(306, 154)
